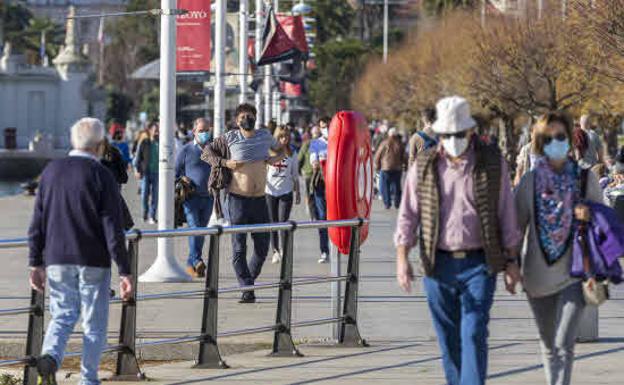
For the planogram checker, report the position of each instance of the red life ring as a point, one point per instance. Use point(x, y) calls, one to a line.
point(349, 175)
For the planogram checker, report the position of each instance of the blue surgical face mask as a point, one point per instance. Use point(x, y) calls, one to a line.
point(204, 137)
point(557, 149)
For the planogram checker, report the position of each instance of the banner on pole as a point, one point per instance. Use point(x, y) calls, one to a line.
point(193, 36)
point(277, 46)
point(293, 26)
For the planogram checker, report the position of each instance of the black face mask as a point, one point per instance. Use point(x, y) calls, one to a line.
point(248, 123)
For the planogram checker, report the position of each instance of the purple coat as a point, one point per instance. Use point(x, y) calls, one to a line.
point(605, 240)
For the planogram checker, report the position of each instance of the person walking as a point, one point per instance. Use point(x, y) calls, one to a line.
point(198, 207)
point(592, 152)
point(318, 160)
point(248, 151)
point(390, 160)
point(146, 166)
point(282, 187)
point(548, 200)
point(305, 168)
point(425, 138)
point(459, 195)
point(75, 232)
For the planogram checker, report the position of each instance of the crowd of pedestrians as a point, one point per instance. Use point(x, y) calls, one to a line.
point(470, 215)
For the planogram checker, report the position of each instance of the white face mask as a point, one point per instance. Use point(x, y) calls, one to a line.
point(455, 146)
point(325, 132)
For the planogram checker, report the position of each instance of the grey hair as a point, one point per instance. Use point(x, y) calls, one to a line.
point(87, 133)
point(200, 120)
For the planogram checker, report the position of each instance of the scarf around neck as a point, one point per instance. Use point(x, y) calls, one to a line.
point(556, 194)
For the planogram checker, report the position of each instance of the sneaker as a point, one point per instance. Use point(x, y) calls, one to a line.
point(152, 221)
point(200, 269)
point(248, 297)
point(145, 217)
point(277, 257)
point(324, 258)
point(190, 270)
point(46, 367)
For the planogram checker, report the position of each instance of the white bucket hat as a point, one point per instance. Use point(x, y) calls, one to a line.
point(454, 116)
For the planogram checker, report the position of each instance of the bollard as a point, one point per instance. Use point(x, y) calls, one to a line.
point(588, 325)
point(34, 341)
point(209, 356)
point(349, 333)
point(127, 365)
point(283, 345)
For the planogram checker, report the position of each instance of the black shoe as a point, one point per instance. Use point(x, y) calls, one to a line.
point(248, 297)
point(200, 269)
point(46, 367)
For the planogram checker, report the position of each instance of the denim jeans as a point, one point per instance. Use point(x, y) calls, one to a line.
point(390, 183)
point(197, 210)
point(149, 188)
point(460, 294)
point(279, 211)
point(74, 290)
point(320, 206)
point(248, 211)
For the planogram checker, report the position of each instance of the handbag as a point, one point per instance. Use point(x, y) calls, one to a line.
point(595, 292)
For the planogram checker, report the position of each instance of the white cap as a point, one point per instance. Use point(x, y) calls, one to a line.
point(393, 132)
point(453, 116)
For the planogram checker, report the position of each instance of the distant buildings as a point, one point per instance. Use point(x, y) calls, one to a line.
point(44, 101)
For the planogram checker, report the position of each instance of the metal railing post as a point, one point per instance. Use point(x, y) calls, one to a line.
point(209, 356)
point(127, 363)
point(283, 344)
point(349, 332)
point(34, 340)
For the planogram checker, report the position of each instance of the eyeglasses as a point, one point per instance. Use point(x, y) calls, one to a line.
point(560, 137)
point(458, 135)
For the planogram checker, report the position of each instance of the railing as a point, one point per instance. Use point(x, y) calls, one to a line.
point(209, 356)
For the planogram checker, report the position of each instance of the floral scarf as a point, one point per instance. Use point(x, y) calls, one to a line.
point(555, 197)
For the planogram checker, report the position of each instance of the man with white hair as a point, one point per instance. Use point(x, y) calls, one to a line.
point(76, 231)
point(459, 207)
point(594, 153)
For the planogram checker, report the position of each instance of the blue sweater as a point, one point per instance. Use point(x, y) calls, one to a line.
point(77, 217)
point(189, 164)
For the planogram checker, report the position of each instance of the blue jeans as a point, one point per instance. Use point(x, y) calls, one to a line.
point(320, 206)
point(149, 188)
point(197, 210)
point(390, 182)
point(74, 290)
point(248, 211)
point(460, 294)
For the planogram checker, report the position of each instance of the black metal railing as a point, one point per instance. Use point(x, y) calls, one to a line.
point(209, 356)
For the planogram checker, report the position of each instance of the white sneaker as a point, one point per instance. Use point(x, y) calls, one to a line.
point(277, 257)
point(324, 258)
point(151, 221)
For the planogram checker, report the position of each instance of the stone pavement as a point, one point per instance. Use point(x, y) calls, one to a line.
point(403, 344)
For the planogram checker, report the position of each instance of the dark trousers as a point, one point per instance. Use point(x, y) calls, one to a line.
point(309, 191)
point(460, 294)
point(248, 211)
point(279, 211)
point(197, 210)
point(391, 188)
point(320, 207)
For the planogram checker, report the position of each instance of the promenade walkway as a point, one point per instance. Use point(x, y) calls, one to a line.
point(403, 348)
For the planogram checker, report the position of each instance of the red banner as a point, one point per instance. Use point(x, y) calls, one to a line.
point(193, 36)
point(277, 46)
point(293, 26)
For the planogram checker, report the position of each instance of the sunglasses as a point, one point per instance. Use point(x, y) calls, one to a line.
point(458, 135)
point(560, 137)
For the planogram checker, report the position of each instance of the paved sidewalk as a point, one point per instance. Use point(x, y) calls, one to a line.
point(403, 349)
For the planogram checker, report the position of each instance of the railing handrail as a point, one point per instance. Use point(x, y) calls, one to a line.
point(12, 243)
point(209, 355)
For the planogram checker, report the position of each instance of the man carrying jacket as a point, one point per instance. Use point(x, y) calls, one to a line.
point(459, 207)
